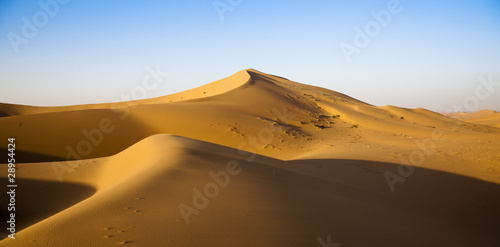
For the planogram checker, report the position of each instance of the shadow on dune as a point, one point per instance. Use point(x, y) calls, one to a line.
point(65, 132)
point(30, 157)
point(37, 200)
point(352, 201)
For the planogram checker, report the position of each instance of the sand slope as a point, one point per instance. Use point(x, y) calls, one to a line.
point(302, 115)
point(484, 117)
point(214, 88)
point(317, 167)
point(268, 203)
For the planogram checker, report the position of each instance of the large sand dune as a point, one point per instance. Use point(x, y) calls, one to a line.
point(251, 160)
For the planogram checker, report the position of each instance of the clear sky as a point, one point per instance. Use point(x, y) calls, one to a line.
point(425, 53)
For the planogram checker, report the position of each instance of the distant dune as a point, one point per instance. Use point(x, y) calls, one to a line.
point(484, 117)
point(253, 160)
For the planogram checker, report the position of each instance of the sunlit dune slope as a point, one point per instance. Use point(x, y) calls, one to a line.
point(484, 117)
point(207, 90)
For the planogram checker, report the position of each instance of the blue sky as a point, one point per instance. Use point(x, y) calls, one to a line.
point(429, 54)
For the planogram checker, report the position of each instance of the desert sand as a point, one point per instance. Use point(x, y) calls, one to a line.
point(252, 160)
point(484, 117)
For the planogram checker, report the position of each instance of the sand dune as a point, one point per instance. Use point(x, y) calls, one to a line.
point(268, 203)
point(484, 117)
point(214, 88)
point(299, 117)
point(251, 160)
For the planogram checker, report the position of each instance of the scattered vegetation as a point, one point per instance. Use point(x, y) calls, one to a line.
point(402, 117)
point(319, 126)
point(302, 122)
point(355, 126)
